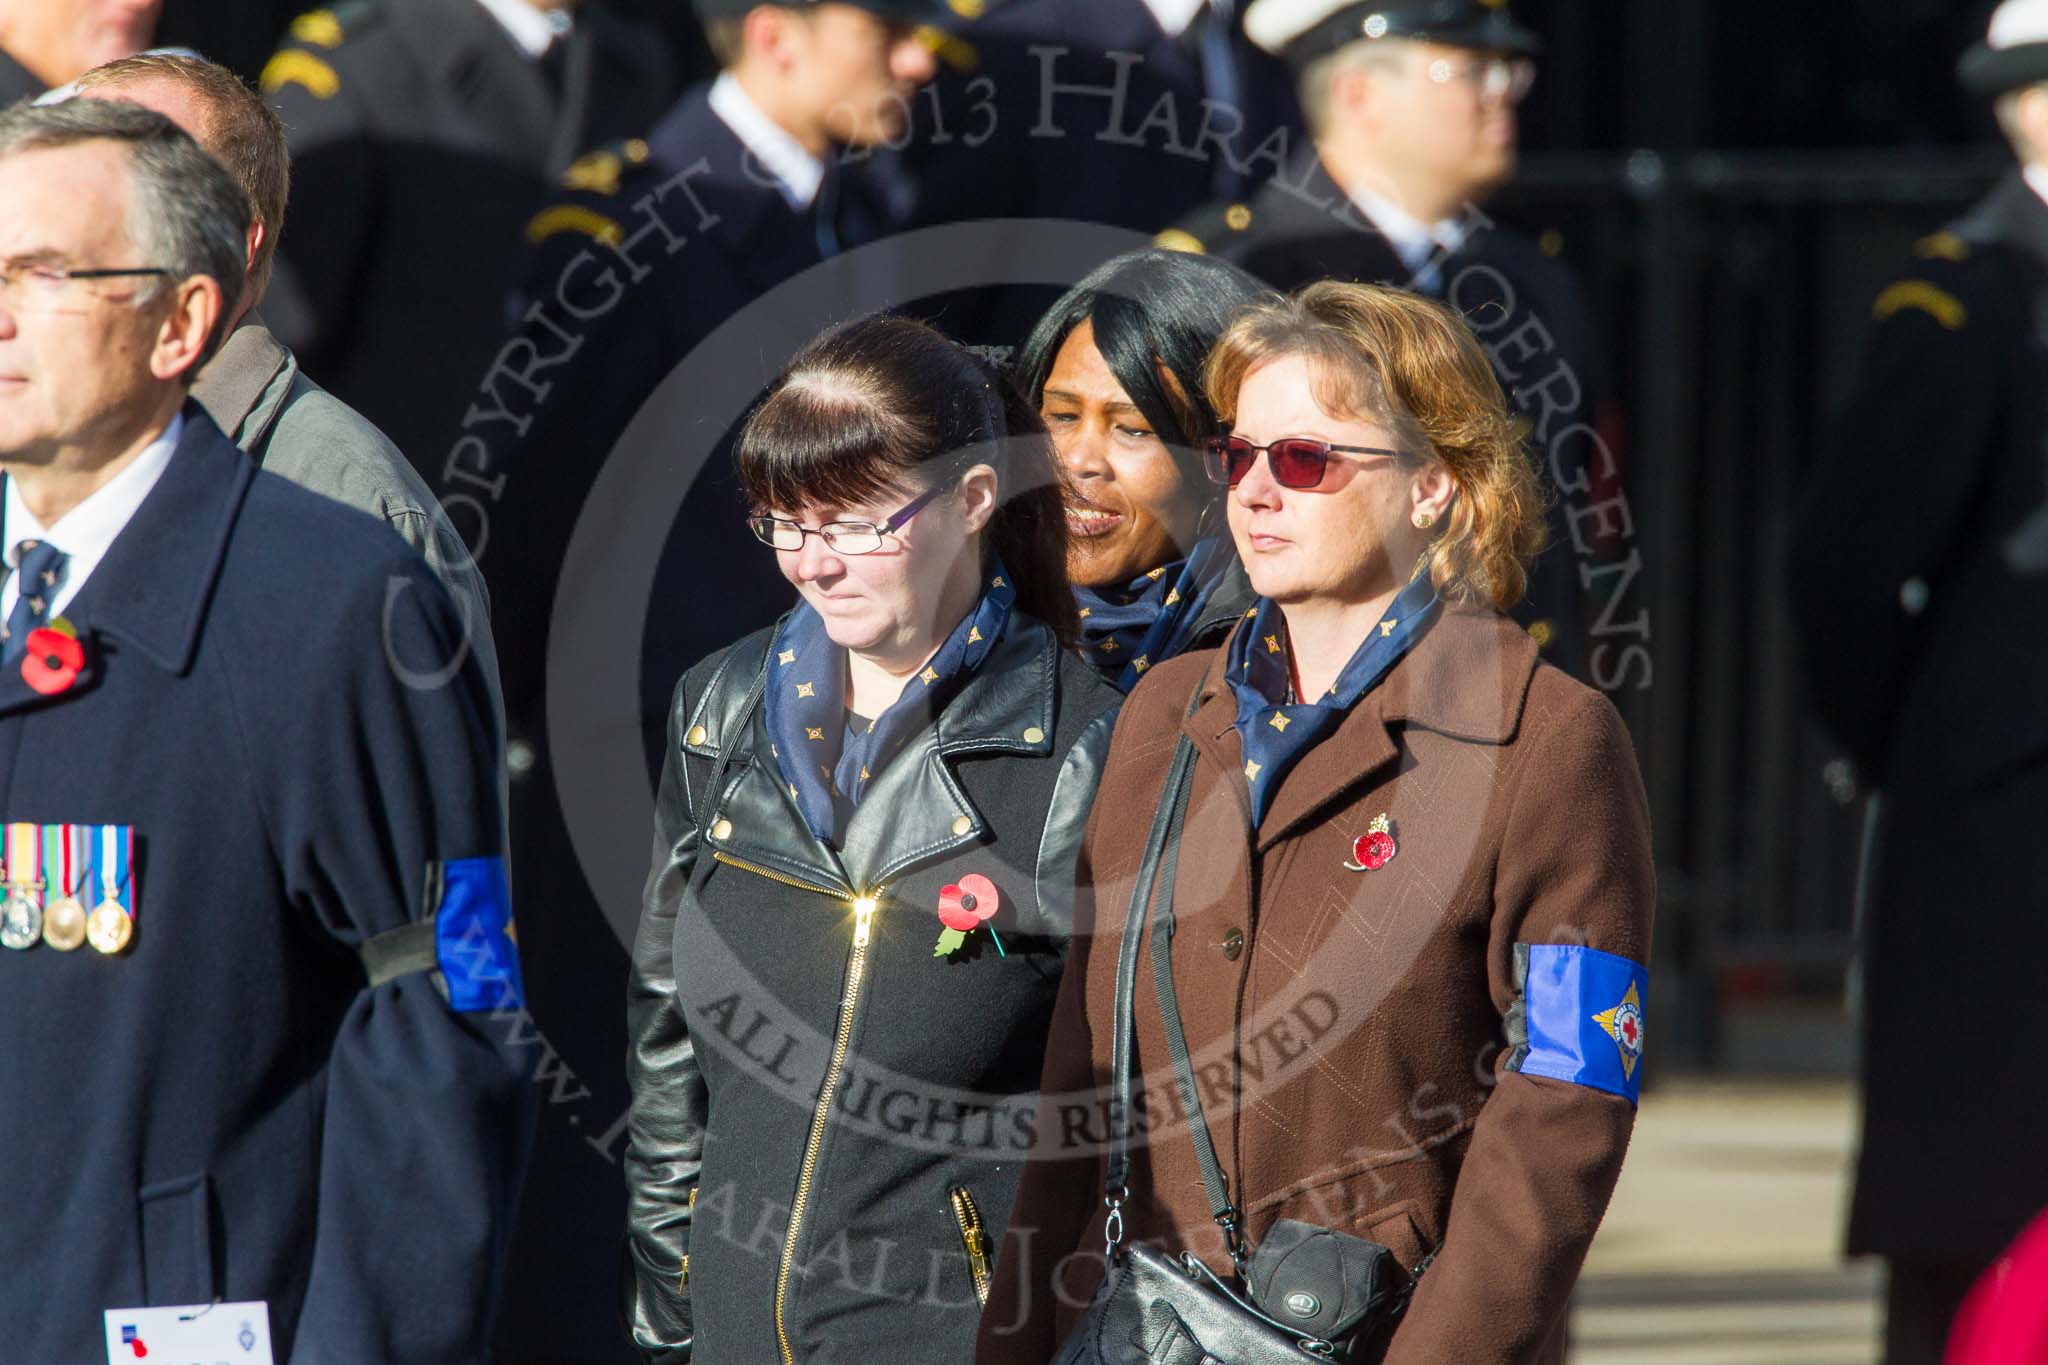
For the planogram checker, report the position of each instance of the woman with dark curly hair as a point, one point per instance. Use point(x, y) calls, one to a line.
point(1406, 922)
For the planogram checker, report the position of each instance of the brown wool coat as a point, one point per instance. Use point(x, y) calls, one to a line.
point(1350, 1027)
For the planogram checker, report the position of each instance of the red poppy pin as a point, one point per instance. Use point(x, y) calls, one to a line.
point(1375, 848)
point(965, 907)
point(54, 658)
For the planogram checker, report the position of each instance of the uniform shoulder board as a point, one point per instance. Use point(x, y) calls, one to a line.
point(299, 62)
point(1923, 296)
point(602, 170)
point(1209, 226)
point(560, 218)
point(1942, 246)
point(593, 178)
point(950, 48)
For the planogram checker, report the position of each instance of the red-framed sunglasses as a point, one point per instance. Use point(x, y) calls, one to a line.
point(1296, 461)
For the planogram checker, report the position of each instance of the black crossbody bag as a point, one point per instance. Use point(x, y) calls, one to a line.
point(1309, 1293)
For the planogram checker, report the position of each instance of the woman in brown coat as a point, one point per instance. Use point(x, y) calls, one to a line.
point(1412, 914)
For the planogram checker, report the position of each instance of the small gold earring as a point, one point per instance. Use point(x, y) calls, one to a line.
point(1424, 520)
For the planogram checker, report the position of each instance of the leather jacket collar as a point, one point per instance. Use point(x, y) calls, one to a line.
point(915, 813)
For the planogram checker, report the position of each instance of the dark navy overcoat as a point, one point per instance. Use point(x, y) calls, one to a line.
point(274, 698)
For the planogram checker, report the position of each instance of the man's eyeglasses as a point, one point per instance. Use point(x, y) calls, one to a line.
point(1492, 78)
point(34, 287)
point(1296, 462)
point(841, 537)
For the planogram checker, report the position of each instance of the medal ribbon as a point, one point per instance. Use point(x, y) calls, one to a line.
point(116, 845)
point(76, 869)
point(24, 856)
point(53, 862)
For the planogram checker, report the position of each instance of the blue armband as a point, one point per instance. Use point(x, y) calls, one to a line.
point(473, 935)
point(1578, 1017)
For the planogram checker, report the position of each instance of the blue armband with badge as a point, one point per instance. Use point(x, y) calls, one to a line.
point(1578, 1017)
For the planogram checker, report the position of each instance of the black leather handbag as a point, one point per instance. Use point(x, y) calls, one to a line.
point(1306, 1293)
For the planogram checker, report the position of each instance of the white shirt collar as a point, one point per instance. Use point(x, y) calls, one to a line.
point(2037, 179)
point(795, 171)
point(1174, 16)
point(1413, 240)
point(534, 31)
point(89, 530)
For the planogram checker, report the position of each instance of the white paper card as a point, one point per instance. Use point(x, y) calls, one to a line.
point(196, 1334)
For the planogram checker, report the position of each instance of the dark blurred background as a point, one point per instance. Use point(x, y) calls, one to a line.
point(1733, 182)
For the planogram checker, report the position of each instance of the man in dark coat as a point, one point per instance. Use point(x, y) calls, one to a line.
point(280, 1078)
point(1922, 598)
point(424, 134)
point(45, 43)
point(653, 243)
point(1412, 107)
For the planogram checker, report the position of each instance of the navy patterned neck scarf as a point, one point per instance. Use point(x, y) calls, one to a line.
point(826, 760)
point(1276, 731)
point(1128, 628)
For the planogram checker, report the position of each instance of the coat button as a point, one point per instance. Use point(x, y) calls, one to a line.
point(696, 735)
point(1033, 735)
point(722, 829)
point(1233, 944)
point(961, 824)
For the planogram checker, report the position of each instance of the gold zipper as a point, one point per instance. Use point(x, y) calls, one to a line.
point(849, 1001)
point(974, 1236)
point(772, 875)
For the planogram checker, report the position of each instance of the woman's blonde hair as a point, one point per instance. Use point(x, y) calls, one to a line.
point(1395, 357)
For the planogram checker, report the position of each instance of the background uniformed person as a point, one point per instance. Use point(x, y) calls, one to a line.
point(424, 134)
point(45, 43)
point(281, 1068)
point(1412, 107)
point(1123, 113)
point(253, 387)
point(1131, 112)
point(1924, 620)
point(759, 174)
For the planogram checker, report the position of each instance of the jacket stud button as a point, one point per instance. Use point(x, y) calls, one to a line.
point(1033, 735)
point(722, 829)
point(961, 824)
point(696, 735)
point(1233, 948)
point(1303, 1305)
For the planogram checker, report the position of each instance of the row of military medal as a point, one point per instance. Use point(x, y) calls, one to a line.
point(49, 872)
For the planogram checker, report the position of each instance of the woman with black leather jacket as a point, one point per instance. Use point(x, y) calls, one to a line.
point(861, 894)
point(1115, 370)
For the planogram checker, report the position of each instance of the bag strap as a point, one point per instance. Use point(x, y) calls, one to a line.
point(1165, 832)
point(1123, 1038)
point(1214, 1183)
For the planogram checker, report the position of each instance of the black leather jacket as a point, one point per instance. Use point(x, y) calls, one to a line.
point(828, 1117)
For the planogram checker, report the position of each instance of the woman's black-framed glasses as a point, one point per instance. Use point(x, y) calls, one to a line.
point(841, 537)
point(1296, 461)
